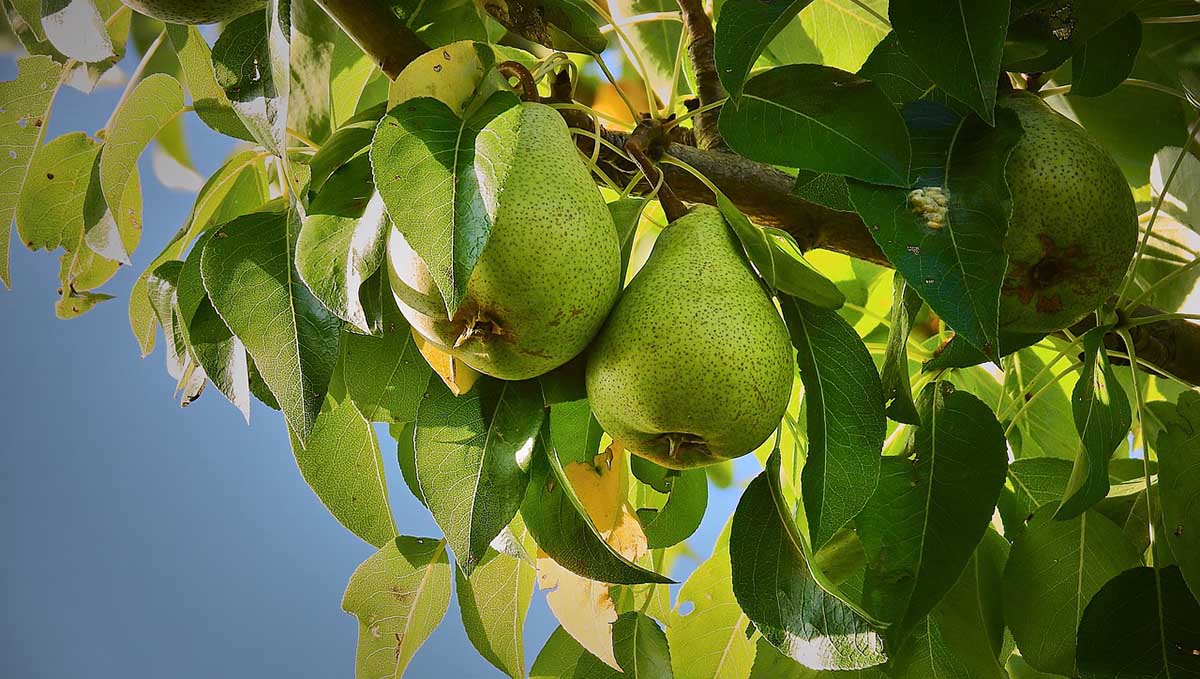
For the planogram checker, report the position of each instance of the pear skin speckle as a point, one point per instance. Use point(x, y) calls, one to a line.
point(694, 365)
point(1074, 223)
point(546, 279)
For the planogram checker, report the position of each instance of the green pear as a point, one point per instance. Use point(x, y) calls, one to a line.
point(546, 279)
point(694, 366)
point(1074, 224)
point(194, 11)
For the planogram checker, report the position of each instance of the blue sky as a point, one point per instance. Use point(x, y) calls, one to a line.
point(142, 539)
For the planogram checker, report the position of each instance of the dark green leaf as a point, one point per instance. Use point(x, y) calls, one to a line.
point(399, 595)
point(681, 515)
point(574, 432)
point(214, 347)
point(819, 118)
point(211, 103)
point(1178, 449)
point(444, 22)
point(929, 513)
point(248, 272)
point(1053, 570)
point(1142, 623)
point(425, 164)
point(946, 237)
point(641, 647)
point(560, 24)
point(342, 464)
point(1102, 418)
point(626, 213)
point(958, 43)
point(779, 261)
point(896, 73)
point(241, 60)
point(1035, 481)
point(561, 526)
point(743, 31)
point(1103, 62)
point(343, 240)
point(563, 658)
point(959, 353)
point(897, 387)
point(823, 188)
point(473, 455)
point(776, 587)
point(846, 424)
point(22, 101)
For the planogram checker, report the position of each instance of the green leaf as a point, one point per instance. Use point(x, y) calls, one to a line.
point(1178, 449)
point(563, 530)
point(343, 240)
point(776, 587)
point(215, 348)
point(846, 424)
point(896, 73)
point(1035, 481)
point(1142, 623)
point(779, 261)
point(929, 513)
point(248, 272)
point(626, 213)
point(386, 375)
point(641, 647)
point(1102, 418)
point(823, 188)
point(137, 120)
point(656, 41)
point(1054, 569)
point(1045, 426)
point(771, 664)
point(681, 515)
point(473, 455)
point(399, 595)
point(161, 286)
point(558, 24)
point(964, 635)
point(76, 29)
point(494, 601)
point(946, 236)
point(50, 210)
point(210, 102)
point(958, 43)
point(959, 353)
point(838, 33)
point(822, 119)
point(242, 67)
point(24, 105)
point(574, 432)
point(563, 658)
point(441, 206)
point(1103, 62)
point(311, 37)
point(712, 637)
point(445, 22)
point(744, 29)
point(344, 145)
point(236, 188)
point(897, 387)
point(342, 464)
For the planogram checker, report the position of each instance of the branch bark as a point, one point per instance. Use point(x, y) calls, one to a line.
point(763, 192)
point(702, 43)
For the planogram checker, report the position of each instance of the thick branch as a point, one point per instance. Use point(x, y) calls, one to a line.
point(701, 45)
point(377, 31)
point(761, 191)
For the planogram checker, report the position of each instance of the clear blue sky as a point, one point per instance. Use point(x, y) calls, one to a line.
point(141, 539)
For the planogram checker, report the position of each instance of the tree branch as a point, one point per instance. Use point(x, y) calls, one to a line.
point(701, 45)
point(761, 191)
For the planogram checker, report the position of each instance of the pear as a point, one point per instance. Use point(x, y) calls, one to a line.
point(194, 11)
point(546, 279)
point(694, 366)
point(1074, 224)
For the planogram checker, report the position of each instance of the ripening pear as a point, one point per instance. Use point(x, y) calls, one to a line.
point(1074, 224)
point(694, 365)
point(546, 279)
point(194, 11)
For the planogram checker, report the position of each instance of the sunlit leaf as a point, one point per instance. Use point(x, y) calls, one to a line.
point(241, 59)
point(564, 658)
point(399, 595)
point(1178, 449)
point(743, 30)
point(897, 387)
point(76, 29)
point(641, 647)
point(494, 601)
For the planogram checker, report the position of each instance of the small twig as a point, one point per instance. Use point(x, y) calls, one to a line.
point(701, 45)
point(525, 82)
point(645, 144)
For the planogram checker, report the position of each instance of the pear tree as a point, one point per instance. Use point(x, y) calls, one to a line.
point(931, 266)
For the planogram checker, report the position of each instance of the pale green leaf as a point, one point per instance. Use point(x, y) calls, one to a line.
point(76, 29)
point(837, 33)
point(897, 386)
point(744, 28)
point(399, 595)
point(248, 272)
point(495, 599)
point(386, 375)
point(1045, 425)
point(243, 68)
point(1178, 449)
point(50, 212)
point(211, 103)
point(24, 105)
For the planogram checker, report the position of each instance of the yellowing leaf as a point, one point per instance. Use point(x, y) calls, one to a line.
point(457, 375)
point(585, 608)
